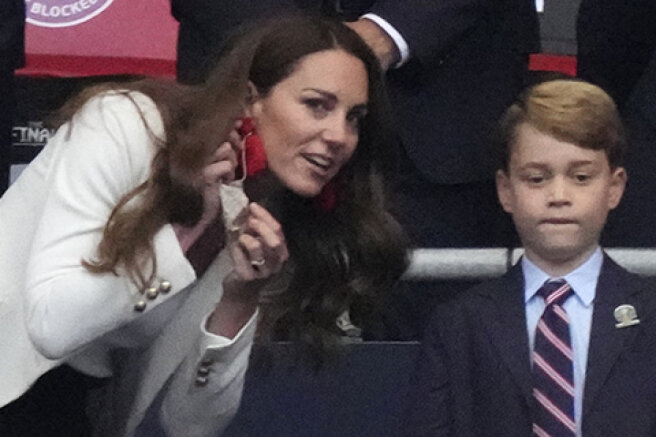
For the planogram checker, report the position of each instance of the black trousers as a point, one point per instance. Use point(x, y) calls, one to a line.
point(53, 407)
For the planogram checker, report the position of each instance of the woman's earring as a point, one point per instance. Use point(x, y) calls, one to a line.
point(326, 200)
point(254, 158)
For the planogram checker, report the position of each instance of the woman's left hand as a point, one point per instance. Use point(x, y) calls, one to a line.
point(259, 252)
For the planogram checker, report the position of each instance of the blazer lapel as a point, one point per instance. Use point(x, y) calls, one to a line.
point(507, 327)
point(615, 287)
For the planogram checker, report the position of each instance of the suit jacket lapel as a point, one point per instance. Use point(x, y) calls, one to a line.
point(615, 287)
point(507, 327)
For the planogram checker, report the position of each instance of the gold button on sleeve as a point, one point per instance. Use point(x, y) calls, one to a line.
point(164, 287)
point(152, 293)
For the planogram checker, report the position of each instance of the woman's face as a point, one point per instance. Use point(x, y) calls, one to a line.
point(309, 120)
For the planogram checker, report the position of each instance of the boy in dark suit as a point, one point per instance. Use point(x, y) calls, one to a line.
point(564, 344)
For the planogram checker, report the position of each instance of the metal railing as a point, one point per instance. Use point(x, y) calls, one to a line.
point(478, 264)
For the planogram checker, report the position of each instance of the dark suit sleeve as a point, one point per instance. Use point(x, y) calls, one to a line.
point(428, 413)
point(206, 24)
point(631, 224)
point(430, 27)
point(224, 14)
point(614, 43)
point(12, 28)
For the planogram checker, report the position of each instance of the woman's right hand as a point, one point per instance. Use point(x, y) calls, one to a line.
point(220, 169)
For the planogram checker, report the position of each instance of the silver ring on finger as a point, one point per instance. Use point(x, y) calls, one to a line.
point(258, 262)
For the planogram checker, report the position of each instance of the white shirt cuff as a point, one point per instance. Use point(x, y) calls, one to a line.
point(213, 341)
point(401, 45)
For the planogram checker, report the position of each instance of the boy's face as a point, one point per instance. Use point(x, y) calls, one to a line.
point(559, 195)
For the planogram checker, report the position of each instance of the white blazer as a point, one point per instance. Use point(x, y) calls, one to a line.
point(53, 310)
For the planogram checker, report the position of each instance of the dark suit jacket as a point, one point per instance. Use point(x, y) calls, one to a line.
point(615, 40)
point(12, 29)
point(469, 60)
point(632, 223)
point(474, 376)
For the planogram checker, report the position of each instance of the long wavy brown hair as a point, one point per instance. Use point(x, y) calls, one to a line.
point(339, 259)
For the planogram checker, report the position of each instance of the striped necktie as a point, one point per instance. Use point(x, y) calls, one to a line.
point(553, 373)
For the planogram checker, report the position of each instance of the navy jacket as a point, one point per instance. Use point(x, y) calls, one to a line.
point(12, 29)
point(474, 377)
point(615, 40)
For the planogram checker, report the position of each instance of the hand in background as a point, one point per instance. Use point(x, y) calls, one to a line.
point(378, 40)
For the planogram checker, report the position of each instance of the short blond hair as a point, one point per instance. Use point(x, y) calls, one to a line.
point(569, 110)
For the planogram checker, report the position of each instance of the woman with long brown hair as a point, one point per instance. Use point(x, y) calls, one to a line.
point(129, 250)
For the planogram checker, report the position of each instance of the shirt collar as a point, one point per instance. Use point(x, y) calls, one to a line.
point(583, 279)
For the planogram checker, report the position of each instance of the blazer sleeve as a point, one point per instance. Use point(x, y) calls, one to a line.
point(430, 27)
point(103, 153)
point(205, 391)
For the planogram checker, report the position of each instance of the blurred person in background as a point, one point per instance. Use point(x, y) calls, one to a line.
point(12, 56)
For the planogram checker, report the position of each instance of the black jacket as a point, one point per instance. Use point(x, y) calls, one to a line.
point(12, 31)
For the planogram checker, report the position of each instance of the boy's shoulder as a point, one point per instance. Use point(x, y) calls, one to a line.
point(482, 301)
point(511, 282)
point(618, 286)
point(621, 277)
point(508, 290)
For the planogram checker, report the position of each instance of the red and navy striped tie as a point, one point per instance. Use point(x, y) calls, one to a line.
point(553, 374)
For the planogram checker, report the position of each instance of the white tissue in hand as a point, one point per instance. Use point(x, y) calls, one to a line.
point(233, 202)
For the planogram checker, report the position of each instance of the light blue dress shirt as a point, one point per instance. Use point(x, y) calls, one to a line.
point(583, 281)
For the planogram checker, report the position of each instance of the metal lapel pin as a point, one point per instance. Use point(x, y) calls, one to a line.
point(626, 316)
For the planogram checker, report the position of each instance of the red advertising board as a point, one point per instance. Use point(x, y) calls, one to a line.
point(69, 38)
